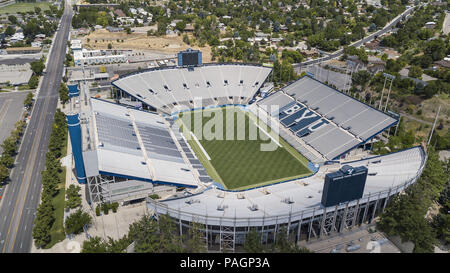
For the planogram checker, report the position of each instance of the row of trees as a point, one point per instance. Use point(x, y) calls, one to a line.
point(10, 146)
point(63, 93)
point(73, 197)
point(38, 68)
point(405, 216)
point(51, 178)
point(404, 139)
point(89, 17)
point(162, 236)
point(283, 244)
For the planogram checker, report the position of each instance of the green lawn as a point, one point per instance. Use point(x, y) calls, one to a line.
point(240, 164)
point(24, 7)
point(57, 230)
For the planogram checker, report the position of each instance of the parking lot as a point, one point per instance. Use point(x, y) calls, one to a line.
point(11, 109)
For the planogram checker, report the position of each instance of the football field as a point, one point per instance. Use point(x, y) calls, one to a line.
point(238, 150)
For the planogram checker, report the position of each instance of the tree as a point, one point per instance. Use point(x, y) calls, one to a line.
point(441, 225)
point(195, 242)
point(361, 78)
point(31, 28)
point(73, 196)
point(253, 242)
point(9, 146)
point(162, 27)
point(33, 82)
point(4, 173)
point(43, 223)
point(436, 49)
point(94, 245)
point(283, 72)
point(10, 31)
point(145, 234)
point(405, 216)
point(98, 245)
point(28, 100)
point(63, 93)
point(76, 221)
point(7, 161)
point(180, 26)
point(186, 39)
point(37, 67)
point(12, 19)
point(415, 71)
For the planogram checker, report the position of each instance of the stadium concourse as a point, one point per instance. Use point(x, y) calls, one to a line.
point(129, 154)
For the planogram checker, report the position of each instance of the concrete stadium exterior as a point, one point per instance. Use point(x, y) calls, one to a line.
point(226, 216)
point(305, 222)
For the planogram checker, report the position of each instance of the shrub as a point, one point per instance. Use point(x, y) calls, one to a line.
point(154, 196)
point(97, 210)
point(105, 208)
point(114, 206)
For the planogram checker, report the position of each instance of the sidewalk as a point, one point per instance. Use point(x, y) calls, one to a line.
point(114, 225)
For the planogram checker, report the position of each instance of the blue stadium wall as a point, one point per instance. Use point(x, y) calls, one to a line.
point(73, 123)
point(73, 90)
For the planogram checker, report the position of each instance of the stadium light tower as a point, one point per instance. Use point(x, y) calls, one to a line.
point(434, 125)
point(386, 77)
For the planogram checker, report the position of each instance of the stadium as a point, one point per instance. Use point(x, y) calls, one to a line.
point(296, 160)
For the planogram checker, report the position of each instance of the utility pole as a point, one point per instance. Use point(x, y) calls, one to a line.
point(434, 125)
point(386, 77)
point(389, 92)
point(398, 124)
point(382, 90)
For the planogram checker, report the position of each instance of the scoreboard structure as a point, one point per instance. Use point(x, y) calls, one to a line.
point(189, 57)
point(347, 184)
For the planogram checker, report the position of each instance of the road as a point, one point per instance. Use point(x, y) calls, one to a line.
point(18, 207)
point(369, 38)
point(446, 25)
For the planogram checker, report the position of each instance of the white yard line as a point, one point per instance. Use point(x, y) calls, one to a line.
point(201, 147)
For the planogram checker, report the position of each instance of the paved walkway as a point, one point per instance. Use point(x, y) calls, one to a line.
point(361, 237)
point(114, 225)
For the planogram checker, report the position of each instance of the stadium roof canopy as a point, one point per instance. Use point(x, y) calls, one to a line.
point(136, 145)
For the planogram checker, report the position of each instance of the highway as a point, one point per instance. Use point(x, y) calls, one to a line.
point(369, 38)
point(18, 207)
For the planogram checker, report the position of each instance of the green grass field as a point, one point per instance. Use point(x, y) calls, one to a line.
point(24, 7)
point(241, 164)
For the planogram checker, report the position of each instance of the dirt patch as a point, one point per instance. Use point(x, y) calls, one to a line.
point(100, 39)
point(413, 99)
point(430, 106)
